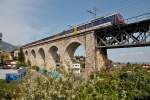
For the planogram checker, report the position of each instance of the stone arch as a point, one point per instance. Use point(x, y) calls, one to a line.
point(33, 57)
point(41, 57)
point(70, 51)
point(33, 53)
point(26, 56)
point(53, 50)
point(26, 53)
point(71, 48)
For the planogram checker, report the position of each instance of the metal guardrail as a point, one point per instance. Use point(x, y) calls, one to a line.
point(138, 18)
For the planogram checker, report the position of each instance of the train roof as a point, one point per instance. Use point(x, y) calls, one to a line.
point(111, 14)
point(108, 15)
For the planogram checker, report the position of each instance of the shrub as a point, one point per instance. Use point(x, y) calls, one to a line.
point(125, 84)
point(29, 62)
point(35, 68)
point(45, 71)
point(83, 65)
point(21, 57)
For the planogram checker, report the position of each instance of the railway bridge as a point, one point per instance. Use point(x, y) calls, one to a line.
point(96, 40)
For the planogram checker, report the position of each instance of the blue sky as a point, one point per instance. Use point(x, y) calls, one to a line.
point(23, 21)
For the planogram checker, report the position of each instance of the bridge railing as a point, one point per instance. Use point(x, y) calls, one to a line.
point(138, 18)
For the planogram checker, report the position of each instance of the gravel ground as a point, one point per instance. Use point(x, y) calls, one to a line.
point(3, 72)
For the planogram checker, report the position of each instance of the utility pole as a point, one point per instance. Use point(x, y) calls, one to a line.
point(93, 12)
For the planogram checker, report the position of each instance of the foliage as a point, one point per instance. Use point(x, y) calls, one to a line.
point(28, 63)
point(82, 65)
point(45, 71)
point(20, 64)
point(37, 68)
point(7, 88)
point(117, 84)
point(21, 57)
point(6, 56)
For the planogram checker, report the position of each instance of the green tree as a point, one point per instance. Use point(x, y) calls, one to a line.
point(21, 57)
point(6, 56)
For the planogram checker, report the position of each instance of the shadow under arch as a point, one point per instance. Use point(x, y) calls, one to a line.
point(26, 56)
point(33, 57)
point(55, 54)
point(33, 53)
point(26, 53)
point(41, 53)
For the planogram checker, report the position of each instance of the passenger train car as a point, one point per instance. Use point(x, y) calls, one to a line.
point(114, 19)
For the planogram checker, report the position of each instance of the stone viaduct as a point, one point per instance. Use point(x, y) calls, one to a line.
point(47, 52)
point(96, 39)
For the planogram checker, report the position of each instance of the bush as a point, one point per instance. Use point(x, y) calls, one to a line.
point(35, 68)
point(45, 71)
point(82, 65)
point(29, 63)
point(125, 84)
point(6, 89)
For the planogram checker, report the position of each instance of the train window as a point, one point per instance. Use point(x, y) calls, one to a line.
point(108, 19)
point(101, 21)
point(105, 20)
point(111, 18)
point(83, 27)
point(80, 28)
point(94, 23)
point(97, 22)
point(88, 25)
